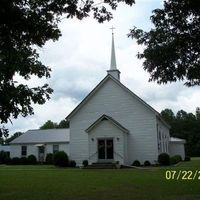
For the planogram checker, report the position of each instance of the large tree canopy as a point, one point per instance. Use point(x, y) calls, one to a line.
point(172, 47)
point(24, 26)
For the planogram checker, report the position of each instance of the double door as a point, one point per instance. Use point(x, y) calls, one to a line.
point(105, 150)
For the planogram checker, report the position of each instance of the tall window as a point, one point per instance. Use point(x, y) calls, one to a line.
point(23, 150)
point(159, 141)
point(55, 148)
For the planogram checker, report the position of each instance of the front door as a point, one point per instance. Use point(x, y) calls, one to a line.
point(41, 154)
point(105, 150)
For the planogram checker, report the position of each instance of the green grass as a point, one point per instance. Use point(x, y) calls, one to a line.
point(50, 183)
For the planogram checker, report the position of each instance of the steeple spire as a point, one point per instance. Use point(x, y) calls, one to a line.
point(113, 66)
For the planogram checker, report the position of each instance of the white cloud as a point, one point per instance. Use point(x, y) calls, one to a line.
point(80, 58)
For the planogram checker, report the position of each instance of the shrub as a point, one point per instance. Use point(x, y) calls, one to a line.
point(49, 159)
point(147, 163)
point(23, 161)
point(164, 159)
point(187, 158)
point(60, 159)
point(3, 157)
point(175, 159)
point(72, 163)
point(8, 161)
point(15, 161)
point(136, 163)
point(85, 163)
point(178, 157)
point(32, 160)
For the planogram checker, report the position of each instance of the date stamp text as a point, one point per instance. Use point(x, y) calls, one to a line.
point(182, 175)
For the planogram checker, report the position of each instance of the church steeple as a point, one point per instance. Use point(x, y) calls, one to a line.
point(113, 66)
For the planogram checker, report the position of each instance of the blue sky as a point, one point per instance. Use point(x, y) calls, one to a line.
point(80, 58)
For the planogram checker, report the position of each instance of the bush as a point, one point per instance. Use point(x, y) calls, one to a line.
point(23, 161)
point(60, 159)
point(72, 163)
point(164, 159)
point(175, 159)
point(49, 159)
point(8, 161)
point(136, 163)
point(147, 163)
point(32, 160)
point(85, 163)
point(187, 158)
point(15, 161)
point(3, 157)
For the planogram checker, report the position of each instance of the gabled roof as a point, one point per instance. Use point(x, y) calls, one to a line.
point(106, 117)
point(123, 87)
point(43, 136)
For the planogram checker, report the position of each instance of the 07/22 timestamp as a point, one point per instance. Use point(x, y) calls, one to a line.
point(182, 175)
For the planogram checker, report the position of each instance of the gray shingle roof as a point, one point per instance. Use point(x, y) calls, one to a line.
point(43, 136)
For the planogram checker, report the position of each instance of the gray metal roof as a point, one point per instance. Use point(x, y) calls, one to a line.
point(43, 136)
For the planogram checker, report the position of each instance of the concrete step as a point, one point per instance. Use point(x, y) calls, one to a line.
point(101, 166)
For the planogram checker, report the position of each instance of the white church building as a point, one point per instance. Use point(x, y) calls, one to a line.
point(111, 124)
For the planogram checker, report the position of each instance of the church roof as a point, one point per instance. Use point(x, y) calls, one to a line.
point(123, 87)
point(43, 136)
point(106, 117)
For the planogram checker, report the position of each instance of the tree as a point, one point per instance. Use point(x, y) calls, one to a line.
point(63, 124)
point(172, 47)
point(3, 133)
point(24, 26)
point(15, 135)
point(198, 113)
point(181, 115)
point(49, 125)
point(168, 115)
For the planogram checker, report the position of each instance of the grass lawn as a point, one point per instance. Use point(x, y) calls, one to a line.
point(50, 183)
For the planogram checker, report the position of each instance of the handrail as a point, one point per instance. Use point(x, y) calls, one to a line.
point(92, 155)
point(119, 154)
point(97, 152)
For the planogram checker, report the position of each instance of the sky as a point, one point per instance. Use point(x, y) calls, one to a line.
point(81, 57)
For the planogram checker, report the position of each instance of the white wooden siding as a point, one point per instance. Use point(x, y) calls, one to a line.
point(113, 101)
point(15, 149)
point(176, 148)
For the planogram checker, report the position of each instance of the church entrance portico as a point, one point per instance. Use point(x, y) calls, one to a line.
point(107, 140)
